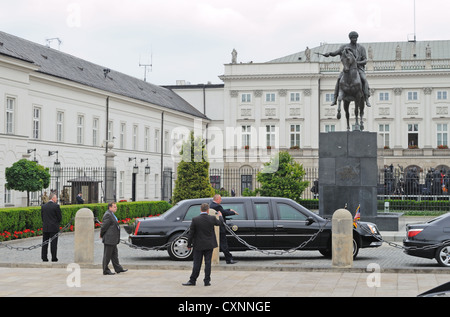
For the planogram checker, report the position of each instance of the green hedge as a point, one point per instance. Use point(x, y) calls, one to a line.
point(19, 219)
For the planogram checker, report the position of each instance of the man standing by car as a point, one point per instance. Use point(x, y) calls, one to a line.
point(110, 234)
point(223, 232)
point(51, 218)
point(203, 237)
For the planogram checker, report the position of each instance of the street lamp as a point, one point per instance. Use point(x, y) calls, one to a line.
point(135, 167)
point(147, 168)
point(31, 151)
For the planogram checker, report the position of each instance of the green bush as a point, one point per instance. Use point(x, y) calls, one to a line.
point(19, 219)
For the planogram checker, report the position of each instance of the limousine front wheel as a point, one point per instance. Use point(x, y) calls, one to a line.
point(356, 246)
point(178, 249)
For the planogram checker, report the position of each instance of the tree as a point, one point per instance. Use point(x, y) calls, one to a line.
point(282, 177)
point(29, 176)
point(192, 172)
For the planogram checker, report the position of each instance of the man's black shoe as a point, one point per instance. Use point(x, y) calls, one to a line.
point(207, 284)
point(108, 273)
point(122, 271)
point(232, 262)
point(189, 283)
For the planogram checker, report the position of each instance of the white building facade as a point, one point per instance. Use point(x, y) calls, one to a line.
point(284, 104)
point(56, 107)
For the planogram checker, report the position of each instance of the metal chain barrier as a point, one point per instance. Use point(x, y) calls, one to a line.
point(153, 248)
point(402, 247)
point(40, 245)
point(253, 248)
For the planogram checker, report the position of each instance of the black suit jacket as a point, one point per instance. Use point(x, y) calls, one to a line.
point(110, 230)
point(201, 234)
point(225, 212)
point(51, 217)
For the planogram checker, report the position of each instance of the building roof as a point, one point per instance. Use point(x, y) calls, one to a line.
point(58, 64)
point(382, 51)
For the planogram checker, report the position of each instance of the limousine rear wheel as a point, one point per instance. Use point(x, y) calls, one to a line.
point(178, 249)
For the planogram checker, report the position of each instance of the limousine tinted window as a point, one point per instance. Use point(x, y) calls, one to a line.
point(262, 211)
point(287, 212)
point(194, 211)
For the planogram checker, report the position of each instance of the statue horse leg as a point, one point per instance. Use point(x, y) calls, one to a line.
point(347, 113)
point(361, 113)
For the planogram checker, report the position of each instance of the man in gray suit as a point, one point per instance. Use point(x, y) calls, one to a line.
point(110, 234)
point(202, 236)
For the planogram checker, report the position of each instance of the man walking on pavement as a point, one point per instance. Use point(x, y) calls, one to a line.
point(110, 234)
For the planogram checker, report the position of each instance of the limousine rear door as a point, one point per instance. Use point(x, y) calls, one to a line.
point(242, 224)
point(263, 215)
point(291, 226)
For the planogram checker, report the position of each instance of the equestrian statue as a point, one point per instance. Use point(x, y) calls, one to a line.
point(352, 83)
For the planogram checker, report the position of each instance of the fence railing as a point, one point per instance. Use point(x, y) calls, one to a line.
point(69, 182)
point(409, 189)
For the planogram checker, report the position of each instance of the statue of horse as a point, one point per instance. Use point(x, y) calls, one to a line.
point(351, 89)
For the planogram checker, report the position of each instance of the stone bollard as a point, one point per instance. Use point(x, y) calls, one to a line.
point(84, 236)
point(215, 256)
point(342, 239)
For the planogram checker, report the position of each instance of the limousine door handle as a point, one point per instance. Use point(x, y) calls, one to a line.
point(280, 226)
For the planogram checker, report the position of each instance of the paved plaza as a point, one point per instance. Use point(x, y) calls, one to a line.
point(379, 272)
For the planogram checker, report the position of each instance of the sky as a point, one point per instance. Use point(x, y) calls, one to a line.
point(191, 40)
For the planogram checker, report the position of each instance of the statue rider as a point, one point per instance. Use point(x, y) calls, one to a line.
point(361, 58)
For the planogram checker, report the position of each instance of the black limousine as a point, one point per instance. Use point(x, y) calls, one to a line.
point(267, 223)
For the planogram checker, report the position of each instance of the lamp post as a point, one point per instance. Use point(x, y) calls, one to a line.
point(135, 172)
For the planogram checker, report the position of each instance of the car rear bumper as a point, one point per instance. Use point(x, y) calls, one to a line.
point(414, 248)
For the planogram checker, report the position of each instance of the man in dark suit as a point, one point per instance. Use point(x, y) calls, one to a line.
point(110, 234)
point(223, 232)
point(51, 218)
point(202, 236)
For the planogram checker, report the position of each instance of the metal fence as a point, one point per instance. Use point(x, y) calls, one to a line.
point(70, 182)
point(426, 188)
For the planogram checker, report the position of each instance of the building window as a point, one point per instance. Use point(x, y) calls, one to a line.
point(36, 123)
point(121, 185)
point(135, 137)
point(413, 135)
point(329, 97)
point(246, 136)
point(294, 97)
point(10, 109)
point(295, 135)
point(7, 196)
point(157, 145)
point(95, 127)
point(270, 135)
point(383, 96)
point(80, 129)
point(413, 96)
point(384, 131)
point(123, 130)
point(270, 97)
point(330, 128)
point(147, 139)
point(246, 98)
point(110, 131)
point(166, 142)
point(442, 134)
point(60, 126)
point(441, 95)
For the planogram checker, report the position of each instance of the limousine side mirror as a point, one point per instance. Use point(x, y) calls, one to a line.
point(309, 221)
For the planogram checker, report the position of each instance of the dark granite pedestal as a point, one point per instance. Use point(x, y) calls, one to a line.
point(348, 176)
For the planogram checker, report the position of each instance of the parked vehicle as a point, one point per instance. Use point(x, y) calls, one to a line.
point(263, 222)
point(430, 240)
